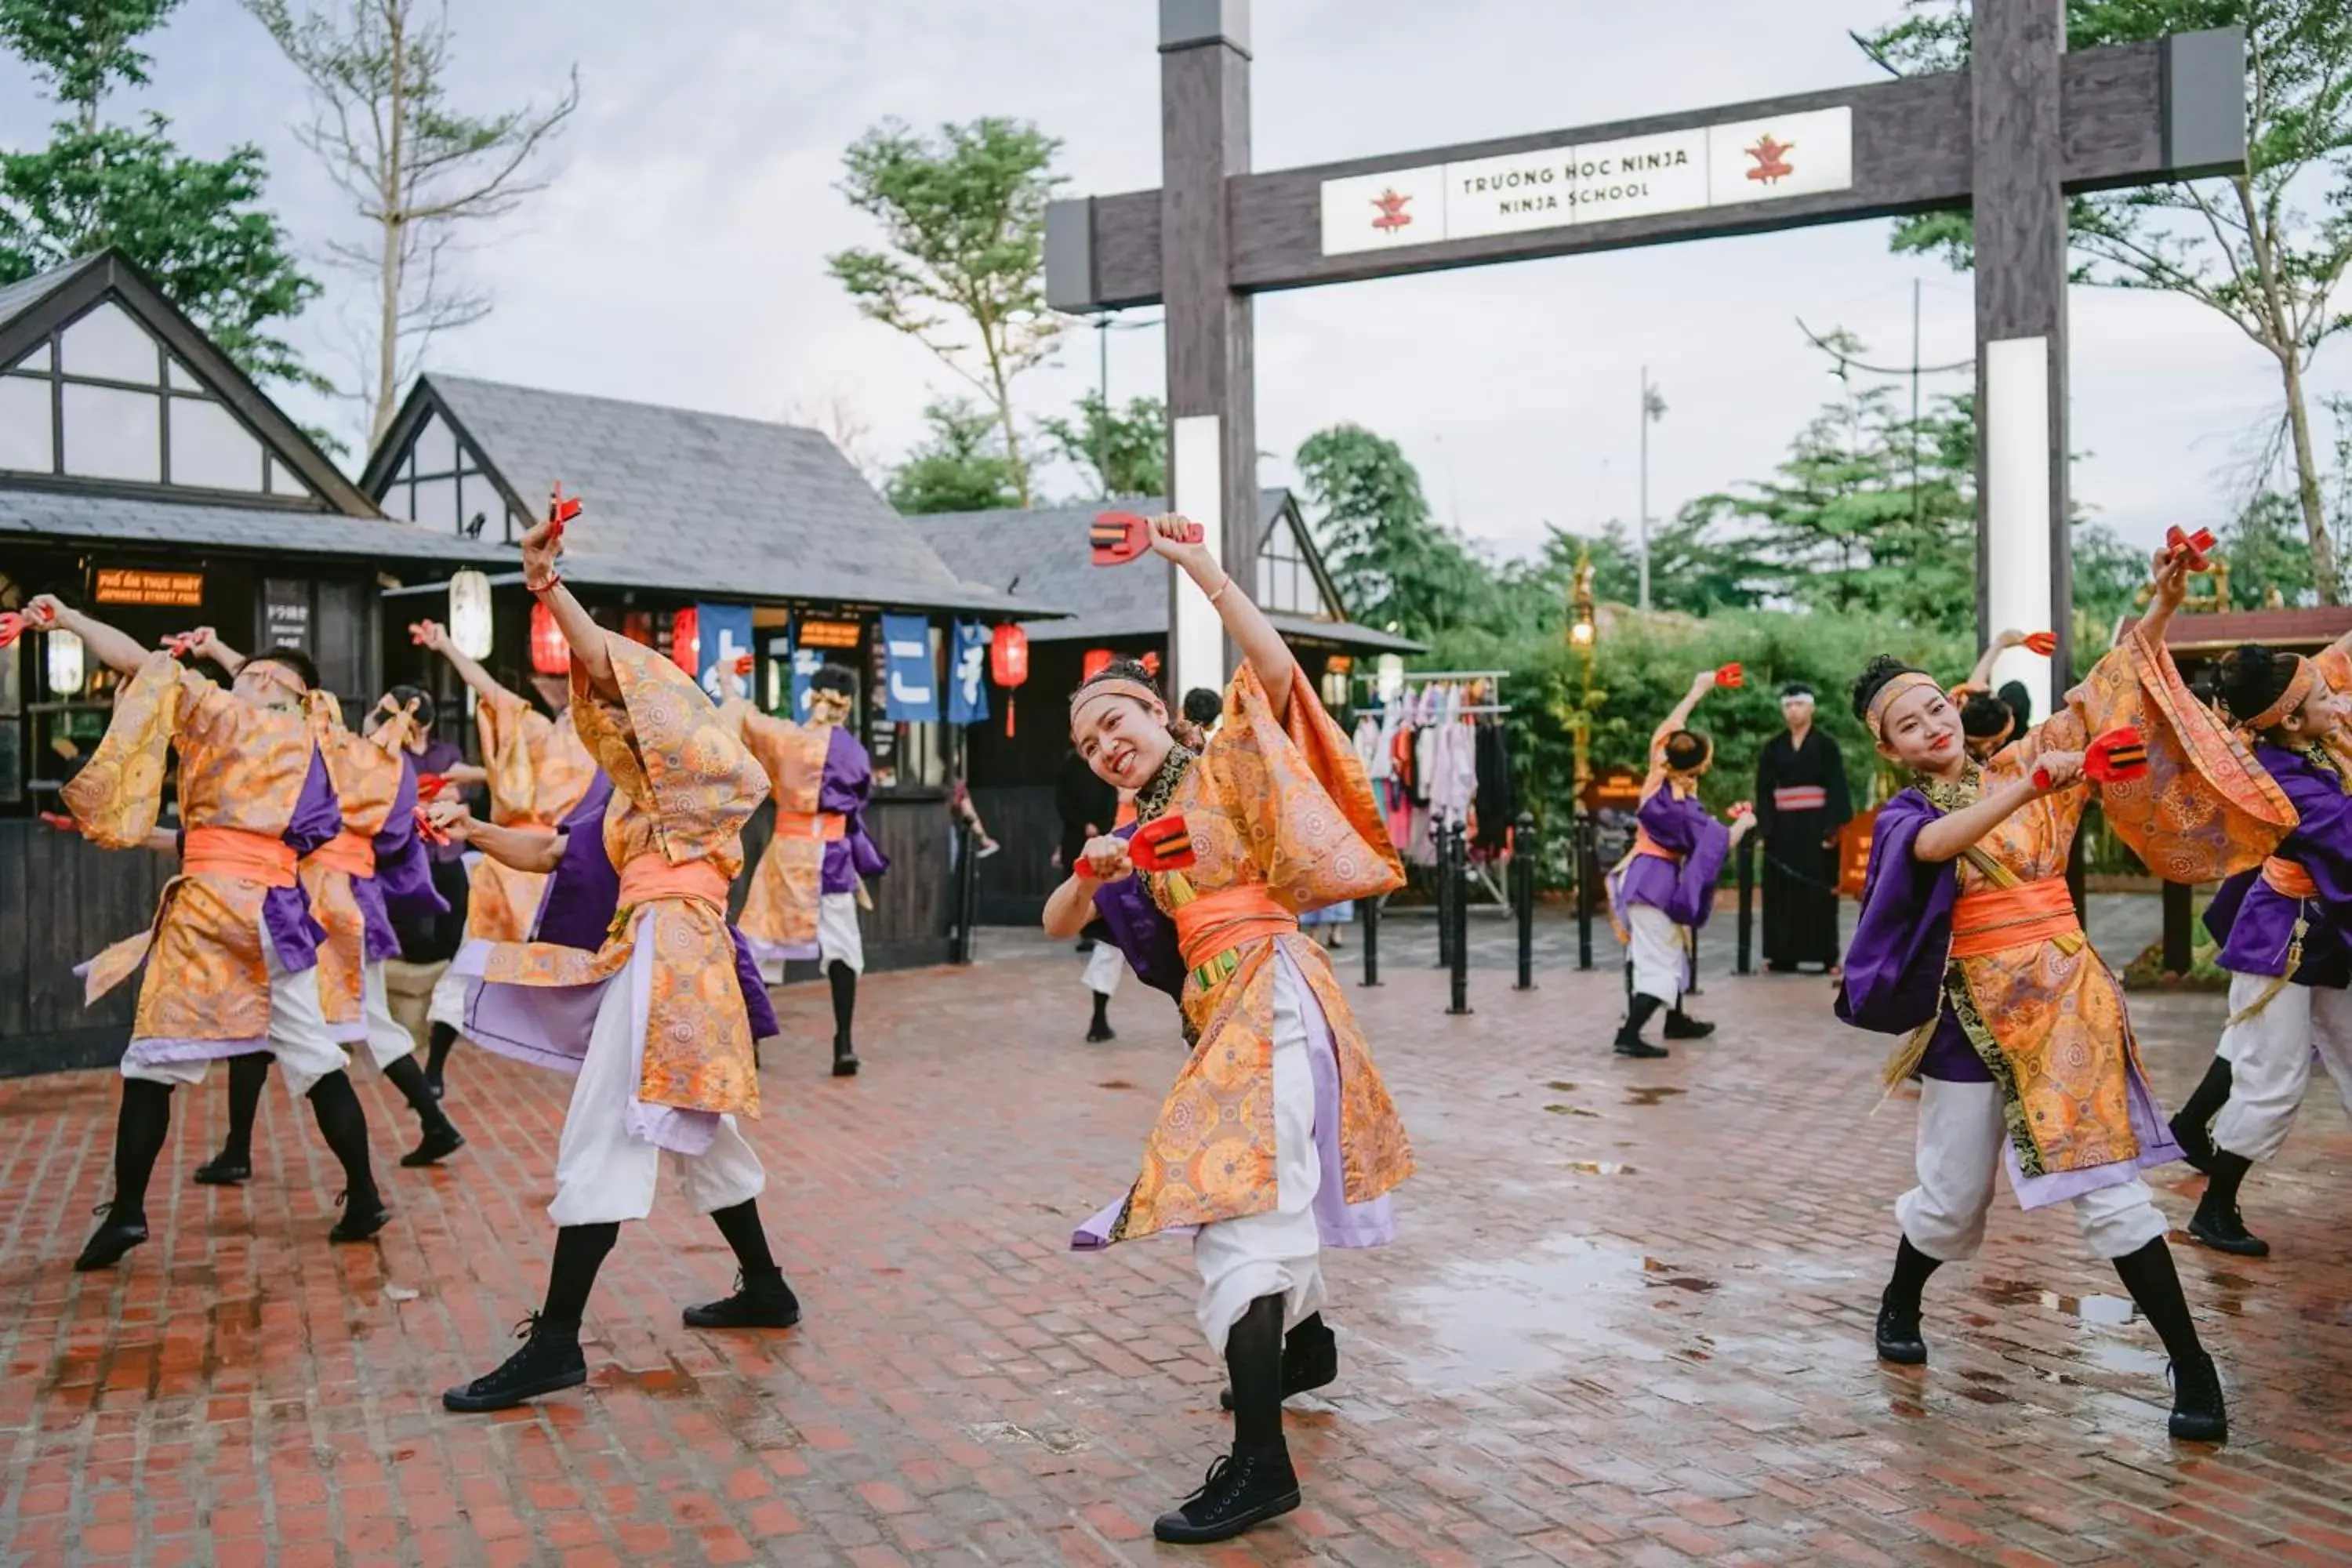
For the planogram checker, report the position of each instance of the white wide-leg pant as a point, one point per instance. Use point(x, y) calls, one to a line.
point(1660, 952)
point(1961, 1135)
point(388, 1039)
point(1104, 967)
point(839, 939)
point(2270, 1060)
point(306, 1049)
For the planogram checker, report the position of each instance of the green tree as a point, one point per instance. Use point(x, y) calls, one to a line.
point(2266, 251)
point(1126, 450)
point(959, 466)
point(196, 227)
point(1394, 563)
point(963, 217)
point(417, 171)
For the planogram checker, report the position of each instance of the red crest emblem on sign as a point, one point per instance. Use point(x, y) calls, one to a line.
point(1392, 213)
point(1771, 160)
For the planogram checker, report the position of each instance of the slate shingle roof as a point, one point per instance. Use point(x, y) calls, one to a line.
point(133, 520)
point(707, 503)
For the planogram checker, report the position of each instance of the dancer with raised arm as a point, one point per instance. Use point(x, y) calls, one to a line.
point(231, 960)
point(1279, 1137)
point(1969, 945)
point(667, 1063)
point(1661, 894)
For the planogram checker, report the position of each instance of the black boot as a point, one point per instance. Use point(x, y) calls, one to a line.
point(1898, 1307)
point(1310, 1360)
point(1100, 1030)
point(1629, 1034)
point(140, 1125)
point(436, 1053)
point(1681, 1025)
point(549, 1358)
point(343, 1125)
point(761, 1298)
point(2217, 1223)
point(441, 1138)
point(234, 1164)
point(843, 980)
point(2198, 1416)
point(1255, 1482)
point(2193, 1125)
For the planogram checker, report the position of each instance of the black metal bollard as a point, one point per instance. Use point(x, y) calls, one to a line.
point(967, 892)
point(1457, 877)
point(1444, 839)
point(1523, 873)
point(1747, 859)
point(1587, 873)
point(1372, 939)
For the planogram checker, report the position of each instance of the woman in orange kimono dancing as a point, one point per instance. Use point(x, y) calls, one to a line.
point(232, 959)
point(1278, 1136)
point(537, 770)
point(1969, 945)
point(667, 1065)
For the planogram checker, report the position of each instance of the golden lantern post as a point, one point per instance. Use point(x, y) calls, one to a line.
point(1583, 634)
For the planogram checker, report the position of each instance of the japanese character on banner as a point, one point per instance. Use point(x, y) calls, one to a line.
point(968, 678)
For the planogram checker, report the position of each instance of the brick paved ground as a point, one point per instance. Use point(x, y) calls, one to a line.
point(1629, 1323)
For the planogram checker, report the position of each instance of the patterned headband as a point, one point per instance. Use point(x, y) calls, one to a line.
point(1113, 685)
point(1909, 680)
point(2299, 688)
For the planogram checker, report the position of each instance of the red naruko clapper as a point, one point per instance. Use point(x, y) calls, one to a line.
point(1120, 537)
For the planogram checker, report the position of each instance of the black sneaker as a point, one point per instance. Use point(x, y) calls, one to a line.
point(1635, 1046)
point(438, 1143)
point(117, 1236)
point(548, 1361)
point(2198, 1416)
point(2195, 1143)
point(433, 1082)
point(359, 1221)
point(772, 1307)
point(1898, 1335)
point(1098, 1034)
point(1310, 1360)
point(2224, 1230)
point(1681, 1025)
point(1239, 1491)
point(225, 1169)
point(844, 1058)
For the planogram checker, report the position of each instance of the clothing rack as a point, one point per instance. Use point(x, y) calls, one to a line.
point(1481, 873)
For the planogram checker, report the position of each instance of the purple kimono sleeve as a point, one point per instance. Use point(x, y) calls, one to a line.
point(1673, 823)
point(847, 786)
point(1138, 929)
point(584, 892)
point(1902, 936)
point(403, 871)
point(286, 912)
point(761, 1011)
point(1702, 867)
point(2221, 914)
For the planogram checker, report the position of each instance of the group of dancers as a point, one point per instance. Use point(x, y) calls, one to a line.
point(599, 944)
point(1968, 946)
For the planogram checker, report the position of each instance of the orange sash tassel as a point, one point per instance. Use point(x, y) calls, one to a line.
point(2000, 917)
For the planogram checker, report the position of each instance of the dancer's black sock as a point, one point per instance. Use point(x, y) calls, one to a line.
point(343, 1125)
point(437, 1050)
point(2154, 1283)
point(1254, 1364)
point(580, 1251)
point(741, 1226)
point(2211, 1093)
point(246, 1077)
point(1642, 1008)
point(140, 1128)
point(2222, 1187)
point(1102, 1011)
point(406, 1076)
point(1912, 1268)
point(843, 980)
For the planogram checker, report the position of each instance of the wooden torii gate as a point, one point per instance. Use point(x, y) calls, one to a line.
point(2028, 124)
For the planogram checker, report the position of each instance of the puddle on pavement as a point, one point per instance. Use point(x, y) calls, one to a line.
point(1570, 1111)
point(1115, 1083)
point(1651, 1094)
point(1600, 1168)
point(660, 1382)
point(1519, 1317)
point(1558, 1087)
point(1052, 1439)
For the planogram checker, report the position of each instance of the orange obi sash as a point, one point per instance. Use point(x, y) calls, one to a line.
point(234, 852)
point(825, 827)
point(1646, 845)
point(649, 877)
point(1997, 918)
point(2288, 878)
point(349, 852)
point(1212, 928)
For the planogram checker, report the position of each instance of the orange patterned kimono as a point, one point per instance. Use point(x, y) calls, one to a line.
point(538, 769)
point(243, 773)
point(2044, 1014)
point(1282, 819)
point(683, 786)
point(367, 779)
point(780, 910)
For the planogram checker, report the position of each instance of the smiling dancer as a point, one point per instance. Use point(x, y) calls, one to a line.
point(2286, 936)
point(537, 769)
point(1278, 1137)
point(1661, 894)
point(232, 959)
point(667, 1063)
point(1969, 945)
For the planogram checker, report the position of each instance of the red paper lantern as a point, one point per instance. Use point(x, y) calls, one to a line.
point(685, 641)
point(1008, 662)
point(1097, 660)
point(549, 654)
point(1152, 664)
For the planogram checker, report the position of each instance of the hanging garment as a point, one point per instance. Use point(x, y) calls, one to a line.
point(1498, 796)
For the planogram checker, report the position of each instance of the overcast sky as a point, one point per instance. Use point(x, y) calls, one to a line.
point(679, 256)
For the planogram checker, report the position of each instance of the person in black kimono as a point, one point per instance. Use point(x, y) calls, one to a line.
point(1800, 804)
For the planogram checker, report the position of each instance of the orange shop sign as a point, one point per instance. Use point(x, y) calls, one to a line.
point(127, 585)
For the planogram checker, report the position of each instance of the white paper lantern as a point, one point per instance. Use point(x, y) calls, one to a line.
point(65, 664)
point(469, 612)
point(1392, 675)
